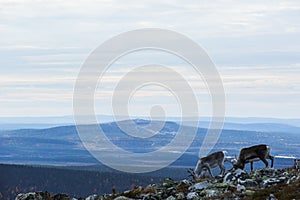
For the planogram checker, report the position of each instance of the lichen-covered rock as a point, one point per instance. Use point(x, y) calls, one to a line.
point(186, 182)
point(171, 198)
point(271, 181)
point(94, 197)
point(122, 198)
point(239, 172)
point(168, 182)
point(180, 195)
point(272, 197)
point(61, 197)
point(36, 196)
point(221, 185)
point(192, 196)
point(235, 175)
point(248, 182)
point(149, 196)
point(29, 196)
point(240, 188)
point(211, 193)
point(249, 192)
point(199, 186)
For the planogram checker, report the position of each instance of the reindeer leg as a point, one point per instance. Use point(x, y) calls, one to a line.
point(198, 169)
point(210, 173)
point(223, 169)
point(272, 160)
point(251, 166)
point(208, 168)
point(265, 161)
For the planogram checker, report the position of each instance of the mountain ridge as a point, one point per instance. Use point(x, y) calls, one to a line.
point(63, 145)
point(45, 122)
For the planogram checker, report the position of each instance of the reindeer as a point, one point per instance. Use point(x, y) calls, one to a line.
point(206, 163)
point(253, 154)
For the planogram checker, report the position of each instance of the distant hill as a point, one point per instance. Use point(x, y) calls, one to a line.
point(62, 145)
point(258, 127)
point(13, 123)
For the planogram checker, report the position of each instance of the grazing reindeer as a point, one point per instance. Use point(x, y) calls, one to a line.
point(253, 154)
point(211, 161)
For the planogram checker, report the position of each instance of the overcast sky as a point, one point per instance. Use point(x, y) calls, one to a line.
point(255, 46)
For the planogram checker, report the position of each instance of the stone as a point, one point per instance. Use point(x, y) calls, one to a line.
point(267, 172)
point(168, 182)
point(200, 186)
point(229, 177)
point(240, 188)
point(235, 175)
point(248, 183)
point(171, 198)
point(170, 190)
point(149, 197)
point(30, 195)
point(285, 173)
point(293, 178)
point(192, 195)
point(187, 182)
point(221, 185)
point(38, 196)
point(232, 188)
point(211, 193)
point(282, 178)
point(249, 192)
point(93, 197)
point(271, 197)
point(61, 197)
point(270, 181)
point(238, 172)
point(180, 195)
point(122, 198)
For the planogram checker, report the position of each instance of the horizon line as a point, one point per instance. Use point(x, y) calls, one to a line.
point(142, 116)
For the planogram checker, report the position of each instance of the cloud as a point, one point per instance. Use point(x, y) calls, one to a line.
point(255, 46)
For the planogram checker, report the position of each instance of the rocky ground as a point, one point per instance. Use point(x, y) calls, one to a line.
point(266, 183)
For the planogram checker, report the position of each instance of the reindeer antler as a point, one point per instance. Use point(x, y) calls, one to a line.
point(191, 173)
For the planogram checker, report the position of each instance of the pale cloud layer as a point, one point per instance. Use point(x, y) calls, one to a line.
point(255, 45)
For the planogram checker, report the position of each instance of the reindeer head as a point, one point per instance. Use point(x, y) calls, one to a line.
point(239, 165)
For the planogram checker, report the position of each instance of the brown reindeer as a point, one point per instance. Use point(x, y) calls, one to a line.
point(207, 163)
point(253, 154)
